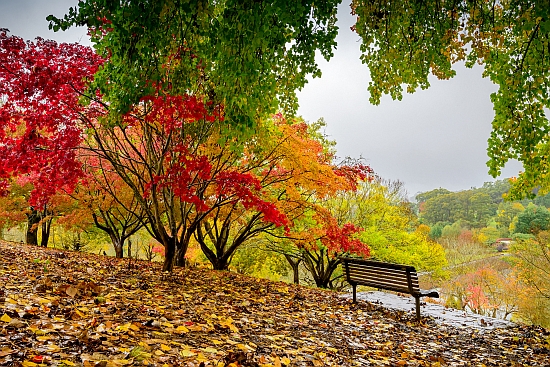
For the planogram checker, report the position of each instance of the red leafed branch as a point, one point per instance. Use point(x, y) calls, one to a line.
point(40, 86)
point(354, 173)
point(247, 189)
point(342, 239)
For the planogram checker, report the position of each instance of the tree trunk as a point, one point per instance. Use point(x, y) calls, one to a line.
point(295, 267)
point(179, 259)
point(181, 248)
point(169, 255)
point(129, 248)
point(32, 229)
point(220, 263)
point(321, 267)
point(46, 230)
point(119, 253)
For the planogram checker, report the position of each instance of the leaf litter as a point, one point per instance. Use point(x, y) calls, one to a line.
point(71, 309)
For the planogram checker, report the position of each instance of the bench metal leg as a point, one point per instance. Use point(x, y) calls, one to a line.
point(417, 299)
point(354, 293)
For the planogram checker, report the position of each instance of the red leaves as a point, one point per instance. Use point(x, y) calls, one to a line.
point(354, 173)
point(41, 83)
point(247, 189)
point(172, 112)
point(185, 176)
point(342, 239)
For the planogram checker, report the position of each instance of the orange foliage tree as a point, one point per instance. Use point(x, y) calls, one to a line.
point(291, 167)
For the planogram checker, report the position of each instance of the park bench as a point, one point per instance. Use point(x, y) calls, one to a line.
point(381, 275)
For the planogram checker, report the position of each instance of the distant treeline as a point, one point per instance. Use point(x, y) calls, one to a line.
point(484, 207)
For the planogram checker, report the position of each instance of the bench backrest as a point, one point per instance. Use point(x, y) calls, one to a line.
point(376, 274)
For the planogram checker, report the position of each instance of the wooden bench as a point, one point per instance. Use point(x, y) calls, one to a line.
point(381, 275)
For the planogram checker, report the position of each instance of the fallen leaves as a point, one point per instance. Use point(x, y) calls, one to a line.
point(92, 311)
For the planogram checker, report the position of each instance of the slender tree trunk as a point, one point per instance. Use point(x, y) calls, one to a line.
point(32, 229)
point(118, 249)
point(321, 267)
point(46, 230)
point(181, 248)
point(169, 255)
point(179, 259)
point(294, 264)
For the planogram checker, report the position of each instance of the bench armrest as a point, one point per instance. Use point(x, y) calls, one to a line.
point(429, 293)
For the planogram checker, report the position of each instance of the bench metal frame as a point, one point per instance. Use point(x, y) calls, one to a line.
point(388, 276)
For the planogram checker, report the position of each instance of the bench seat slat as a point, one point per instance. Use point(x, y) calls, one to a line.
point(380, 269)
point(369, 273)
point(372, 280)
point(377, 273)
point(381, 284)
point(390, 288)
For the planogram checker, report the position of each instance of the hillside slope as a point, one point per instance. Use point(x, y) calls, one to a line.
point(71, 309)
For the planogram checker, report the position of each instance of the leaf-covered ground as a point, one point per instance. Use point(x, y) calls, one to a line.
point(69, 309)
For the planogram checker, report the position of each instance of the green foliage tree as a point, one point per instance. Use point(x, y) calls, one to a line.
point(452, 230)
point(496, 190)
point(424, 196)
point(532, 261)
point(473, 207)
point(436, 231)
point(251, 56)
point(506, 213)
point(390, 227)
point(533, 220)
point(405, 41)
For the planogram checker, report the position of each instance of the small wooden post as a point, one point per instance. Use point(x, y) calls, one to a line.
point(417, 299)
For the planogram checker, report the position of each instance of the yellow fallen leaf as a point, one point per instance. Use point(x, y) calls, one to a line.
point(71, 291)
point(29, 364)
point(182, 329)
point(124, 327)
point(159, 352)
point(286, 361)
point(68, 363)
point(5, 318)
point(217, 342)
point(187, 353)
point(277, 362)
point(210, 350)
point(165, 347)
point(134, 327)
point(202, 358)
point(244, 347)
point(53, 348)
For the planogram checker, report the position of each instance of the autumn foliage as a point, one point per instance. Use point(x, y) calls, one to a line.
point(40, 86)
point(169, 163)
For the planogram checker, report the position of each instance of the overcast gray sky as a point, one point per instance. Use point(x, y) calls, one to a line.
point(430, 139)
